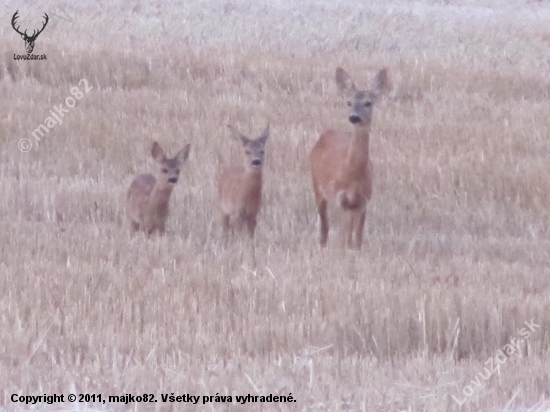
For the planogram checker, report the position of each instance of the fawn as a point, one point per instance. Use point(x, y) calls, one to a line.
point(149, 196)
point(240, 187)
point(340, 165)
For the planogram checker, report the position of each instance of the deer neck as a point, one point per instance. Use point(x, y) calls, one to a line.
point(358, 151)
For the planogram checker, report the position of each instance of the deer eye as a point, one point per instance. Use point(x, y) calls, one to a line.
point(367, 104)
point(247, 152)
point(164, 170)
point(177, 171)
point(349, 104)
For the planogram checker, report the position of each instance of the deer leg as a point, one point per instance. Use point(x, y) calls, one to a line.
point(251, 225)
point(134, 226)
point(359, 225)
point(241, 221)
point(348, 230)
point(225, 226)
point(161, 228)
point(323, 221)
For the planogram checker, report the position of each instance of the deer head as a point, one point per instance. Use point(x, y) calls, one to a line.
point(29, 40)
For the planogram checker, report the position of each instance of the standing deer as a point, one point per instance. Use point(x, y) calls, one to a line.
point(240, 187)
point(340, 165)
point(29, 40)
point(149, 196)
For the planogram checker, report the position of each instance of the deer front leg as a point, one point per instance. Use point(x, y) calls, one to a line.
point(359, 226)
point(323, 222)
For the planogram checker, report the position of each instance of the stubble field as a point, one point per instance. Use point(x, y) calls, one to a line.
point(457, 240)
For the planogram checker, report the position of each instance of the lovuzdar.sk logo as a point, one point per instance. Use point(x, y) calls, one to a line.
point(29, 40)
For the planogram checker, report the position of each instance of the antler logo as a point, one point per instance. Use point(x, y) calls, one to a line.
point(29, 40)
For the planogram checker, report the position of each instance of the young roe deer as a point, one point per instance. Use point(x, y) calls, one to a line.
point(240, 187)
point(340, 165)
point(149, 196)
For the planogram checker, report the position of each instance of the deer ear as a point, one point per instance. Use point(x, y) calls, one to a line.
point(265, 134)
point(238, 135)
point(158, 153)
point(344, 82)
point(183, 153)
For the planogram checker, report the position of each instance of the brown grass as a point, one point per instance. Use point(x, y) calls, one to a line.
point(457, 237)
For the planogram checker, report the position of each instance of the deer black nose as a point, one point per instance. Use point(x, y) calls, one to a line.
point(354, 118)
point(173, 180)
point(256, 162)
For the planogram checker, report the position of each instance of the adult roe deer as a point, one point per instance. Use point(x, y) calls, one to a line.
point(340, 165)
point(149, 196)
point(240, 187)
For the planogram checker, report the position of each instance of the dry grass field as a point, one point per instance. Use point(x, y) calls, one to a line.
point(457, 241)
